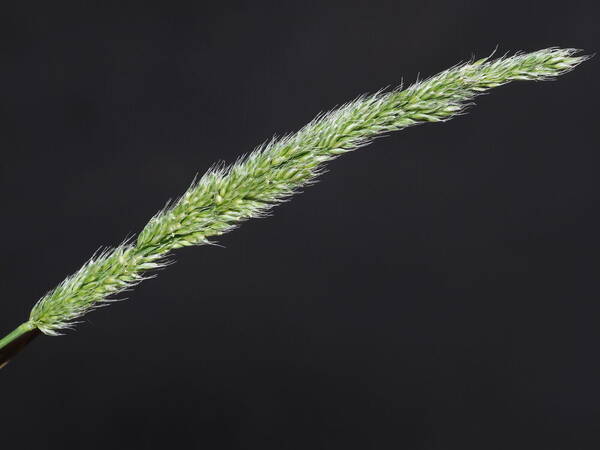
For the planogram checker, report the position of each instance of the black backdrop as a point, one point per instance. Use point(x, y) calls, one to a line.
point(436, 290)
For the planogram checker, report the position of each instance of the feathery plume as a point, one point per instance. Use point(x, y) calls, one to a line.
point(226, 196)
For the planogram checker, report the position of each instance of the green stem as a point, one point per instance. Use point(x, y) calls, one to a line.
point(16, 333)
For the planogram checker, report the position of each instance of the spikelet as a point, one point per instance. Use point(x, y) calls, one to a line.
point(226, 196)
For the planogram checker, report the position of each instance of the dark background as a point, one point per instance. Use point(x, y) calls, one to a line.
point(436, 290)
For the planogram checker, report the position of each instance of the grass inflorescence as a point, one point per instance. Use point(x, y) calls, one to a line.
point(226, 196)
